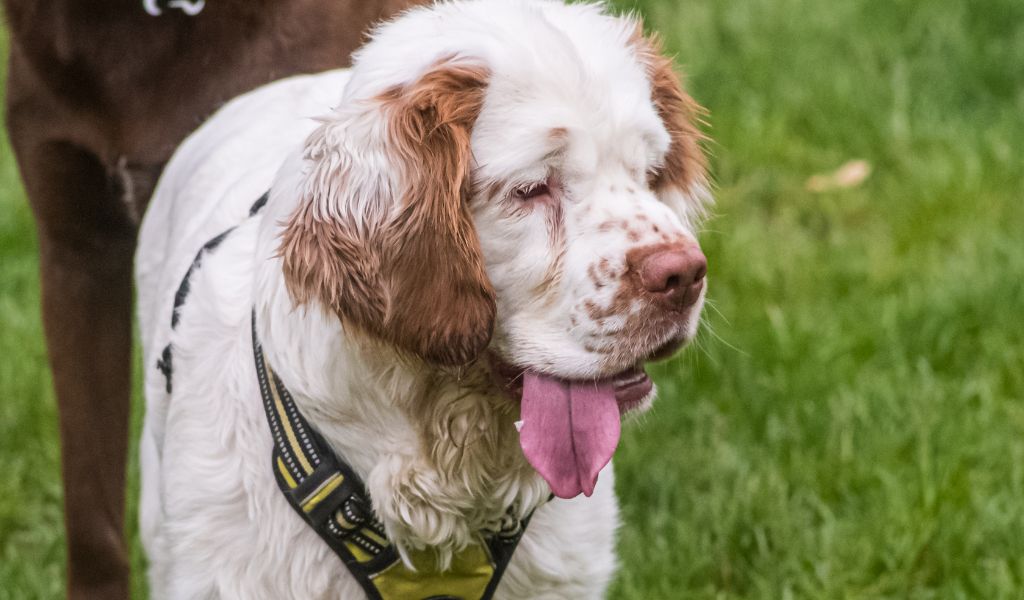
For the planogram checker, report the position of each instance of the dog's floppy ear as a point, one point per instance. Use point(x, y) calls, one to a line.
point(684, 173)
point(383, 236)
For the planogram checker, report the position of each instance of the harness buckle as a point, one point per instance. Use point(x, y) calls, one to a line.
point(322, 493)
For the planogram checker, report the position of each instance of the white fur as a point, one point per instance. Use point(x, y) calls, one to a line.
point(213, 521)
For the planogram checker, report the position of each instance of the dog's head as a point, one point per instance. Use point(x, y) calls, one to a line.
point(517, 178)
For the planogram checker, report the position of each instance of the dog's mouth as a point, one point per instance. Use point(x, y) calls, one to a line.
point(569, 428)
point(632, 386)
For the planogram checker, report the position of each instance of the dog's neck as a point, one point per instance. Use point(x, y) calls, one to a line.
point(437, 449)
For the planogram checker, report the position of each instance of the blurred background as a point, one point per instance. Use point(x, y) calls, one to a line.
point(850, 423)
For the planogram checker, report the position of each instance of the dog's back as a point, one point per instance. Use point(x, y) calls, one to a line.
point(215, 177)
point(208, 188)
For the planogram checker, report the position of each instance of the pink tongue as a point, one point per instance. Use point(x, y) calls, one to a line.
point(570, 431)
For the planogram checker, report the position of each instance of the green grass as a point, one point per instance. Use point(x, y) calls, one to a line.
point(854, 427)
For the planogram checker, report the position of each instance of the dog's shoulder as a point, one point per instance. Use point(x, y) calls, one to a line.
point(214, 178)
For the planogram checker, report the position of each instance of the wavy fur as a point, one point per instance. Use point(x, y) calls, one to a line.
point(471, 201)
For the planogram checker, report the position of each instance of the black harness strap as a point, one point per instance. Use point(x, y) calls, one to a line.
point(325, 492)
point(165, 362)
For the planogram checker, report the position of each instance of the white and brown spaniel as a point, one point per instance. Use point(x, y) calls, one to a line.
point(474, 240)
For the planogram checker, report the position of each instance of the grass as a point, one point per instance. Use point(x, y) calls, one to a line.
point(854, 425)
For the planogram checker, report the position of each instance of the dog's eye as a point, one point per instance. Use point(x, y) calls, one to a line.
point(531, 191)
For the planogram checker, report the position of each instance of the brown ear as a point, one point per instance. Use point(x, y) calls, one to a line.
point(409, 269)
point(685, 164)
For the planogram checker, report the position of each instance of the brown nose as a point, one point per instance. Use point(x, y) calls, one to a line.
point(674, 275)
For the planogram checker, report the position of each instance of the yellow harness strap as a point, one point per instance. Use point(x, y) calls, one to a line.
point(329, 496)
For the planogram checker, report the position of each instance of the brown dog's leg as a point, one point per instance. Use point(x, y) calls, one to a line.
point(86, 244)
point(86, 241)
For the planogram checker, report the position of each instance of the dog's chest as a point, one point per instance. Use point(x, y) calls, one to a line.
point(222, 496)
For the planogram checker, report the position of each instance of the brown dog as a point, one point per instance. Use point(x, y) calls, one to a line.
point(99, 95)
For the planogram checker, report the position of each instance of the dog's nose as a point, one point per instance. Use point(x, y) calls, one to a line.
point(674, 275)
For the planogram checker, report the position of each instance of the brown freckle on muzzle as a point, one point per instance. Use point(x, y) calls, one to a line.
point(593, 310)
point(595, 277)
